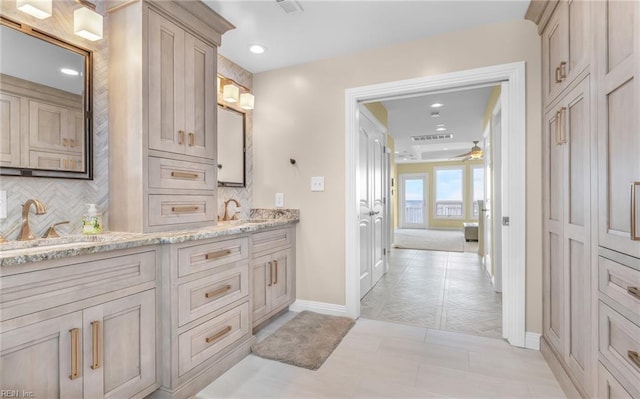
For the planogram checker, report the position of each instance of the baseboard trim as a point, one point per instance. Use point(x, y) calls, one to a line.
point(532, 340)
point(319, 307)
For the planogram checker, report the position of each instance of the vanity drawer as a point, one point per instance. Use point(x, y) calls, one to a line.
point(208, 294)
point(270, 241)
point(169, 173)
point(71, 281)
point(178, 209)
point(201, 257)
point(620, 344)
point(210, 338)
point(609, 387)
point(621, 283)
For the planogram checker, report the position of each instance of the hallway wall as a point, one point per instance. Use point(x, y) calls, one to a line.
point(299, 114)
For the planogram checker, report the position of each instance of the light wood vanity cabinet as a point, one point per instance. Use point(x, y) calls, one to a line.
point(81, 327)
point(206, 323)
point(162, 115)
point(591, 318)
point(273, 257)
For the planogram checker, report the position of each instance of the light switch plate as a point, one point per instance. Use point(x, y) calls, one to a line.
point(279, 200)
point(317, 183)
point(3, 204)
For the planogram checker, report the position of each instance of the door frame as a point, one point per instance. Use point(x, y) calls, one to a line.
point(513, 176)
point(401, 179)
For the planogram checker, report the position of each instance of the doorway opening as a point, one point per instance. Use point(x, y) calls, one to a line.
point(511, 77)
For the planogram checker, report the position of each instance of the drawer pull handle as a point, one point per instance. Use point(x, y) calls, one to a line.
point(183, 209)
point(192, 139)
point(218, 292)
point(65, 142)
point(270, 274)
point(634, 292)
point(558, 79)
point(563, 71)
point(185, 175)
point(218, 254)
point(75, 353)
point(95, 338)
point(275, 262)
point(633, 356)
point(180, 136)
point(218, 336)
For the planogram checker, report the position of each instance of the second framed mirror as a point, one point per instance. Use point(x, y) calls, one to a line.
point(231, 147)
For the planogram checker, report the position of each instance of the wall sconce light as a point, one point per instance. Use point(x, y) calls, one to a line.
point(246, 101)
point(233, 92)
point(40, 9)
point(230, 93)
point(86, 22)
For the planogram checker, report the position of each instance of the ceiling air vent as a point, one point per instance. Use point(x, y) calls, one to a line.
point(432, 137)
point(289, 6)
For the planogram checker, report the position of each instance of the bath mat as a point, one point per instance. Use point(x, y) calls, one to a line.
point(306, 341)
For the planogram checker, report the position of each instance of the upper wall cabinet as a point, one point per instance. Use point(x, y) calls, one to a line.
point(618, 101)
point(162, 115)
point(565, 47)
point(182, 95)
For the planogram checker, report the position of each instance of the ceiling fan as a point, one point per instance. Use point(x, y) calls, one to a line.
point(475, 153)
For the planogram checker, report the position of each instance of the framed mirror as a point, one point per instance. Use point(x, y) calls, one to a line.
point(231, 147)
point(45, 105)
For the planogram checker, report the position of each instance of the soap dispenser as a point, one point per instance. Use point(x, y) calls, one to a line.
point(92, 221)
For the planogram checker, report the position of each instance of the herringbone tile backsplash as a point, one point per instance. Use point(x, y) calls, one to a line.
point(65, 199)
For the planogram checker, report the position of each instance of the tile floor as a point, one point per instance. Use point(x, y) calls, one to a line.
point(440, 290)
point(378, 359)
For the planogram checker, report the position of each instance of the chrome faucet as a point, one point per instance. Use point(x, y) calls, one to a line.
point(226, 209)
point(25, 233)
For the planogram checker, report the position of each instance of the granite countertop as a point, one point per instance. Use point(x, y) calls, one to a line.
point(15, 253)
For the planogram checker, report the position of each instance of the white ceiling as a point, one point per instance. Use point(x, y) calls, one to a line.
point(329, 28)
point(462, 114)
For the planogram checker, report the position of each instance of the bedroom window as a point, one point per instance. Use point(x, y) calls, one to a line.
point(449, 182)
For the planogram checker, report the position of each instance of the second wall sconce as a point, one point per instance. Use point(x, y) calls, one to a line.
point(87, 23)
point(235, 93)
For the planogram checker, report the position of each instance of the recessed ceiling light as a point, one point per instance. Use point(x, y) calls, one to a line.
point(441, 129)
point(257, 48)
point(435, 114)
point(436, 105)
point(69, 71)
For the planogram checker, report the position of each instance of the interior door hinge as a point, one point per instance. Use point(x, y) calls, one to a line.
point(505, 220)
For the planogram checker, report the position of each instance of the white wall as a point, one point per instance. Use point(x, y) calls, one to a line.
point(300, 113)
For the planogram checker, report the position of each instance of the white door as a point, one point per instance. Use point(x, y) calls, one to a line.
point(373, 226)
point(485, 211)
point(496, 238)
point(413, 201)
